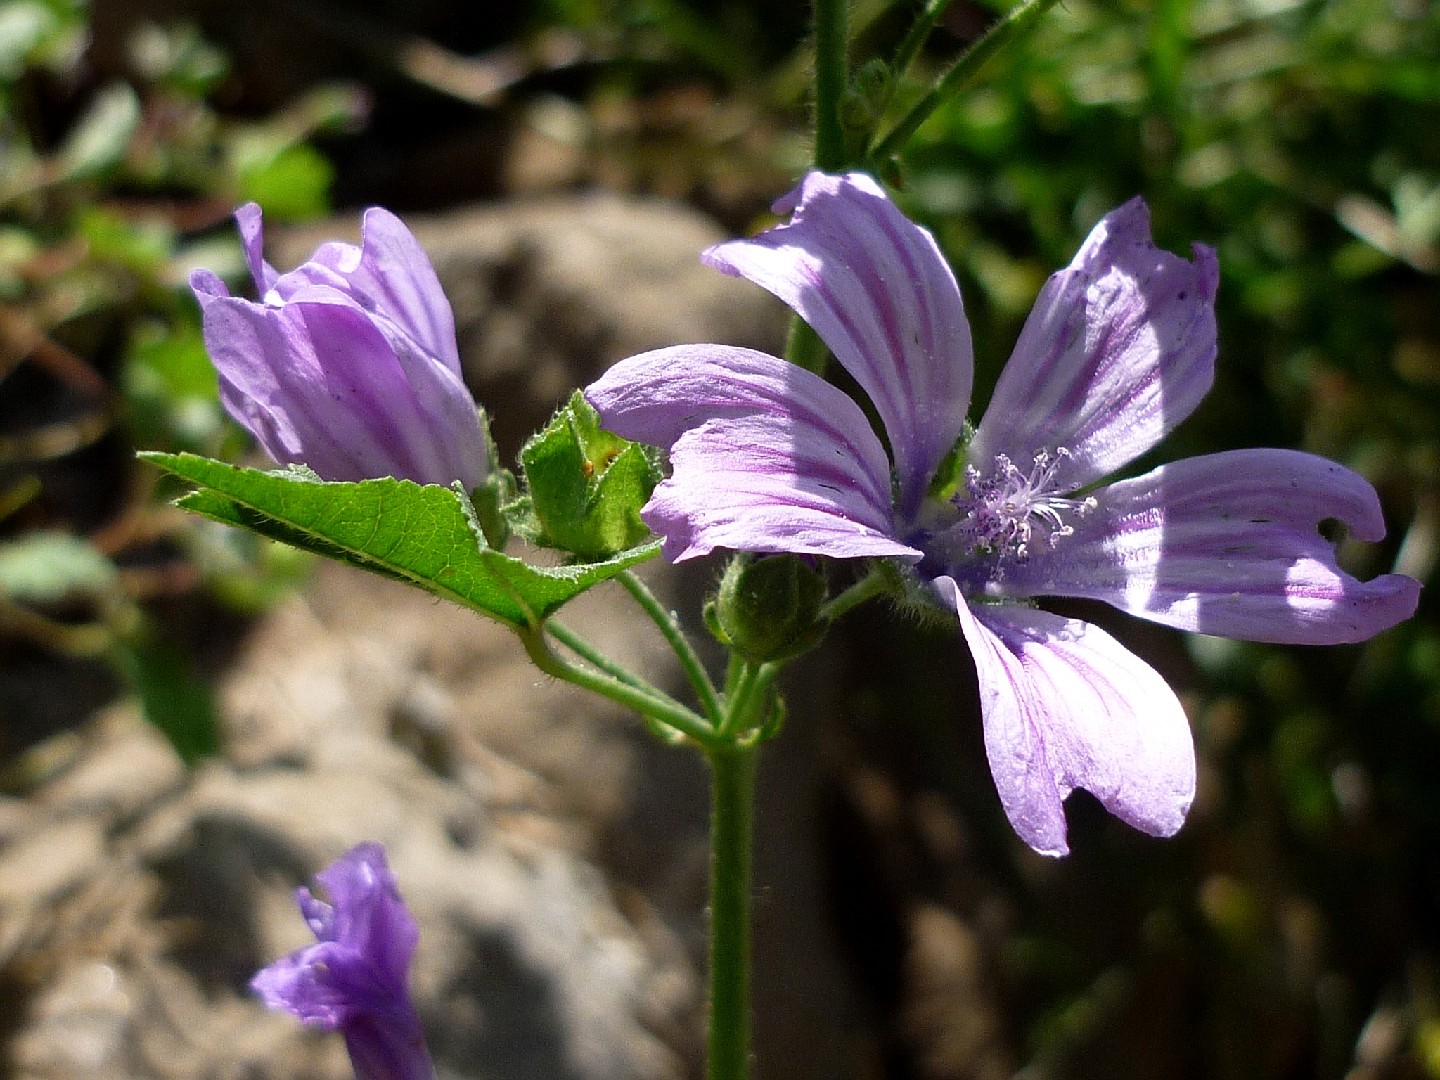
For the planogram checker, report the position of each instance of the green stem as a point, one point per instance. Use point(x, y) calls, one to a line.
point(1015, 22)
point(915, 37)
point(830, 78)
point(741, 700)
point(732, 771)
point(870, 585)
point(608, 682)
point(679, 644)
point(591, 655)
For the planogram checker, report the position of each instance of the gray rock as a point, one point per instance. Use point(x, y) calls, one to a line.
point(136, 900)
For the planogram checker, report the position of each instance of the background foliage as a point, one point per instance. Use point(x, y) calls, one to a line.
point(1291, 930)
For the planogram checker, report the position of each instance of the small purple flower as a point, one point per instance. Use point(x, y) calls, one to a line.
point(347, 364)
point(354, 979)
point(1118, 350)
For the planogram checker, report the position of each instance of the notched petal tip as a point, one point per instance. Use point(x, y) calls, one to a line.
point(1230, 544)
point(1066, 706)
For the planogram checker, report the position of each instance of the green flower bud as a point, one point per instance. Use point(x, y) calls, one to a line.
point(768, 608)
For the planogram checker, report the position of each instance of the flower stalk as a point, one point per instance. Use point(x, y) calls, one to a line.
point(647, 700)
point(732, 785)
point(679, 644)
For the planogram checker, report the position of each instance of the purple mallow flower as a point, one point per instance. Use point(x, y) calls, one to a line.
point(354, 979)
point(347, 364)
point(1118, 350)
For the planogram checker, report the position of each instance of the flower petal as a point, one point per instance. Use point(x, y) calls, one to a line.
point(250, 223)
point(764, 483)
point(877, 290)
point(321, 381)
point(312, 984)
point(356, 978)
point(370, 917)
point(388, 1050)
point(1120, 347)
point(389, 274)
point(414, 407)
point(1229, 544)
point(318, 915)
point(271, 384)
point(1066, 706)
point(765, 456)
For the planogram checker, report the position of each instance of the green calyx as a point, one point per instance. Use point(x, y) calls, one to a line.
point(586, 486)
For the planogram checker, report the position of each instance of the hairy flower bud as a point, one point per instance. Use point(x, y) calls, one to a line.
point(768, 609)
point(347, 364)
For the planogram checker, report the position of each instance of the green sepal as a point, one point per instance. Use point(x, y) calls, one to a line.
point(863, 104)
point(586, 485)
point(426, 535)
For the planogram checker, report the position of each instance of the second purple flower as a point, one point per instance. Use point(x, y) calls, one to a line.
point(348, 363)
point(1119, 349)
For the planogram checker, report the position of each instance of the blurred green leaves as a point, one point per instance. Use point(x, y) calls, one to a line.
point(105, 185)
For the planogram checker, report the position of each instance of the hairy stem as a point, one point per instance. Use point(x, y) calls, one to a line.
point(915, 37)
point(732, 771)
point(637, 695)
point(872, 584)
point(830, 78)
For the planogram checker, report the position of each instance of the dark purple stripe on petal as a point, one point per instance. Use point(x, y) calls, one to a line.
point(769, 482)
point(656, 397)
point(877, 290)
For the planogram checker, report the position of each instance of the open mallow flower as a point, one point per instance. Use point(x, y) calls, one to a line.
point(347, 364)
point(355, 978)
point(1119, 349)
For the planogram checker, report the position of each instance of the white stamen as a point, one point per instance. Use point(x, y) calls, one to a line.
point(1009, 512)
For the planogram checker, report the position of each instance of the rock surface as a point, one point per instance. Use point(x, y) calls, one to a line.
point(553, 853)
point(136, 900)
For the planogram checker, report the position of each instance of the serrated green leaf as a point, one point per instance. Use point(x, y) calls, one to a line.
point(425, 535)
point(586, 485)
